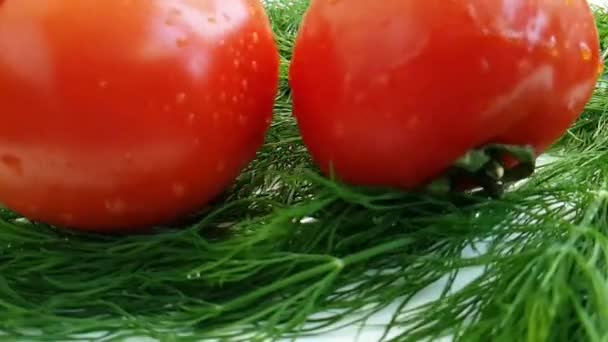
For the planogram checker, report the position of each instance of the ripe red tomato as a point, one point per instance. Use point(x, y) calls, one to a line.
point(125, 114)
point(392, 92)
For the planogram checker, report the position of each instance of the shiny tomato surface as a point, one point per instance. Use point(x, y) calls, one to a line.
point(121, 114)
point(392, 92)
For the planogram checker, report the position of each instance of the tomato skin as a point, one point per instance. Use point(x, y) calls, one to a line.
point(126, 114)
point(391, 93)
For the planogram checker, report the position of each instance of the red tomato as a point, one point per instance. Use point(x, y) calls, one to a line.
point(392, 92)
point(125, 114)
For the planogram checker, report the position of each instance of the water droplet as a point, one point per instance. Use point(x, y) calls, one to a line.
point(197, 141)
point(382, 80)
point(215, 116)
point(586, 53)
point(103, 84)
point(223, 97)
point(245, 84)
point(67, 218)
point(255, 37)
point(236, 63)
point(254, 65)
point(128, 157)
point(181, 42)
point(115, 206)
point(339, 130)
point(221, 166)
point(360, 97)
point(13, 164)
point(222, 42)
point(485, 64)
point(235, 99)
point(179, 190)
point(242, 119)
point(191, 117)
point(180, 98)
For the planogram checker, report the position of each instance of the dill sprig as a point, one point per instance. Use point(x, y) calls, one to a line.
point(288, 253)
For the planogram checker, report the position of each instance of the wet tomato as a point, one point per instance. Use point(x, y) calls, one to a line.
point(125, 114)
point(391, 93)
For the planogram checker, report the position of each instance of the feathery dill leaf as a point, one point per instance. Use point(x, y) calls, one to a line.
point(288, 253)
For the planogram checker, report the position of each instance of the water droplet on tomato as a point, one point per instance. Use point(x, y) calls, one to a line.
point(13, 164)
point(360, 97)
point(191, 118)
point(382, 80)
point(197, 142)
point(215, 116)
point(179, 190)
point(103, 84)
point(242, 119)
point(180, 98)
point(223, 97)
point(586, 53)
point(181, 42)
point(67, 217)
point(175, 11)
point(245, 84)
point(485, 64)
point(236, 63)
point(340, 130)
point(254, 65)
point(235, 99)
point(255, 37)
point(115, 206)
point(221, 166)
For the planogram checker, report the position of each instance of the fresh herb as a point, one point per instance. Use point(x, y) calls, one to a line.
point(289, 253)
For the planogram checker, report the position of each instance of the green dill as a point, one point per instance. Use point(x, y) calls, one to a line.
point(289, 253)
